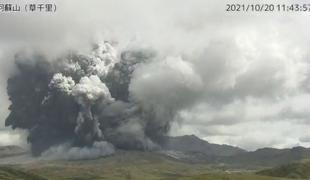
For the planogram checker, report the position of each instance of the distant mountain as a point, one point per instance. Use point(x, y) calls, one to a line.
point(6, 151)
point(191, 143)
point(293, 170)
point(193, 149)
point(269, 157)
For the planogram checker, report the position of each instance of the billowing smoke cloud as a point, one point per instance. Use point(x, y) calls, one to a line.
point(67, 152)
point(87, 105)
point(237, 78)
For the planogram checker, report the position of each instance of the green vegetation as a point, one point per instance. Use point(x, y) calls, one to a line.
point(126, 166)
point(125, 173)
point(10, 173)
point(293, 170)
point(234, 176)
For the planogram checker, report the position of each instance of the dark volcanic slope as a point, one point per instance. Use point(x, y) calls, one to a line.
point(191, 143)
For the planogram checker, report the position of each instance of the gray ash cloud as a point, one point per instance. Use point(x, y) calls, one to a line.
point(84, 101)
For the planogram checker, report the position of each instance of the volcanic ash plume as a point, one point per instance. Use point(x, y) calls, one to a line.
point(87, 104)
point(86, 93)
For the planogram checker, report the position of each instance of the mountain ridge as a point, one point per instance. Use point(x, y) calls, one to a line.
point(192, 143)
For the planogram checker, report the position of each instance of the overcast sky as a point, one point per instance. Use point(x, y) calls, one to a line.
point(251, 70)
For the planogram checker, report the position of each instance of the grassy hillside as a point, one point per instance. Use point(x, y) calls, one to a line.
point(222, 176)
point(294, 170)
point(126, 166)
point(10, 173)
